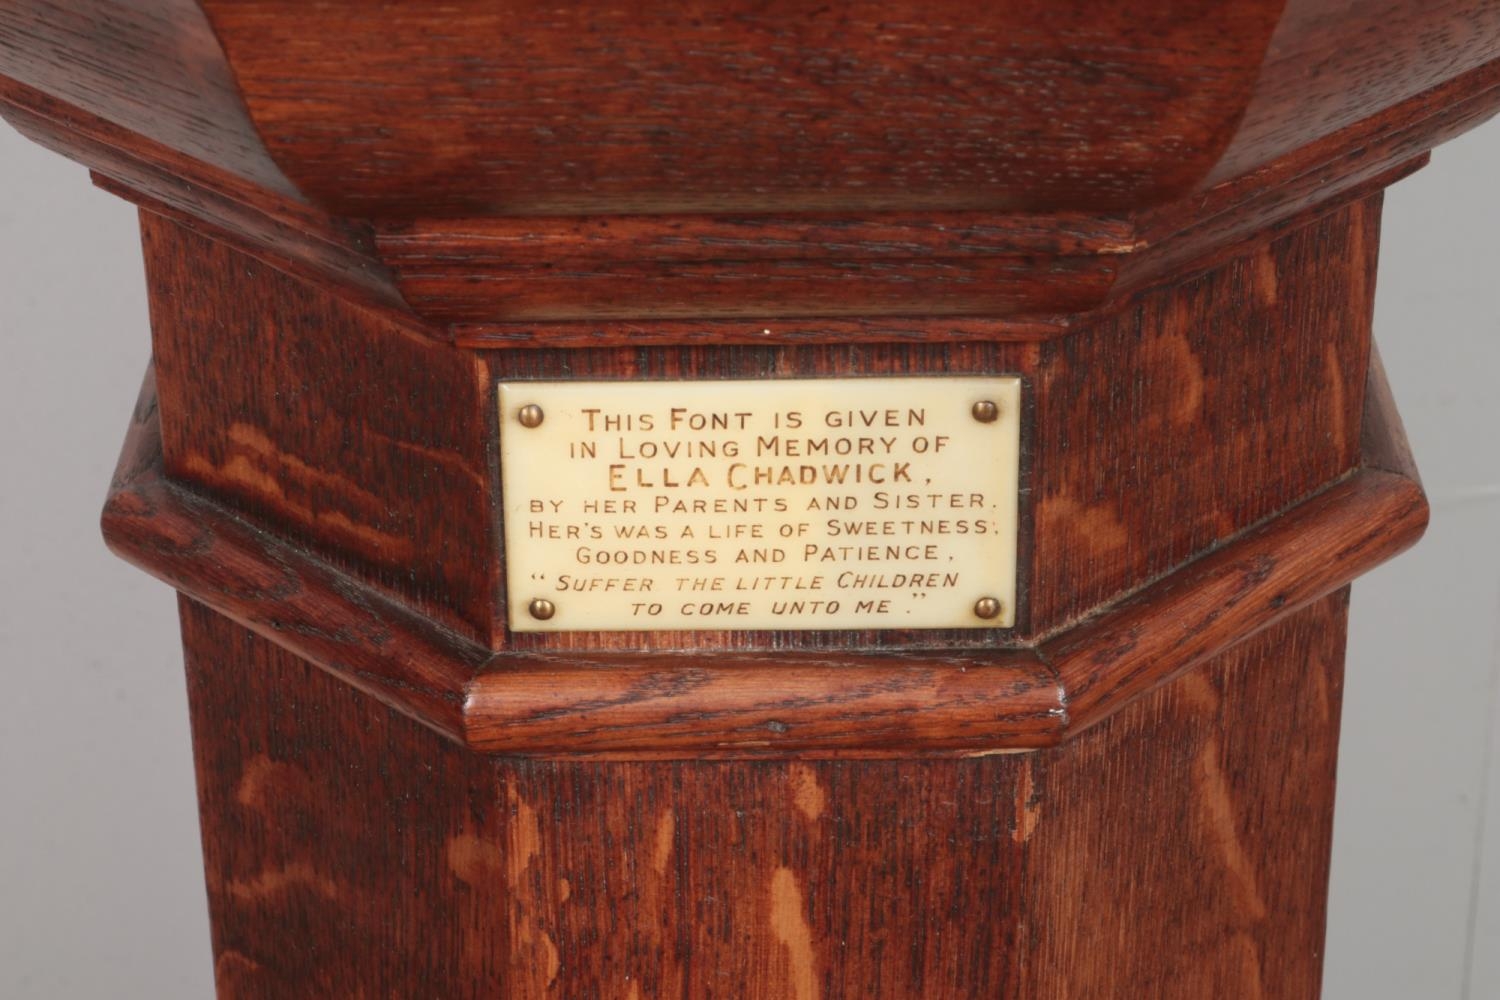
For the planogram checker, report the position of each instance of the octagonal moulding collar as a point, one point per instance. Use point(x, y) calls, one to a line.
point(906, 702)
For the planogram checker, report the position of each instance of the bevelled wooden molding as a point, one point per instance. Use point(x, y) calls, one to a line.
point(907, 702)
point(544, 173)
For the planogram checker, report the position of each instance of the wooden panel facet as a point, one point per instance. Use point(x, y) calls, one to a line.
point(1177, 850)
point(1201, 408)
point(324, 421)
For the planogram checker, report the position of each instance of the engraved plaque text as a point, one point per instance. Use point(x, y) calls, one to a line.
point(779, 504)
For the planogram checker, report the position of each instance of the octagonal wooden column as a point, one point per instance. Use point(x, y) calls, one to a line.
point(360, 221)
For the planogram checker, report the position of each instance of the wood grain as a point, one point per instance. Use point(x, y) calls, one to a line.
point(1214, 460)
point(762, 704)
point(1229, 396)
point(125, 63)
point(142, 94)
point(539, 109)
point(1164, 853)
point(359, 218)
point(332, 425)
point(558, 281)
point(362, 636)
point(490, 173)
point(1182, 848)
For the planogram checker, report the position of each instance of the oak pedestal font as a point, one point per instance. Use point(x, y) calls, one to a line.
point(760, 500)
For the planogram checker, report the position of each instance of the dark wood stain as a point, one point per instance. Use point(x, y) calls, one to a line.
point(339, 428)
point(492, 172)
point(359, 218)
point(1164, 853)
point(727, 702)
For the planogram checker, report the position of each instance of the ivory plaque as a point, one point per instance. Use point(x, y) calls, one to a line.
point(852, 503)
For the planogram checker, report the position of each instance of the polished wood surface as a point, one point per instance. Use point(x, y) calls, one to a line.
point(469, 166)
point(845, 703)
point(358, 219)
point(1155, 482)
point(1216, 415)
point(1177, 850)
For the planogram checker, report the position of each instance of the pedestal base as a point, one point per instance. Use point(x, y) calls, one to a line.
point(1177, 850)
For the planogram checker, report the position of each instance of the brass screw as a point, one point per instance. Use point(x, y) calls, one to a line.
point(541, 609)
point(530, 415)
point(986, 411)
point(987, 608)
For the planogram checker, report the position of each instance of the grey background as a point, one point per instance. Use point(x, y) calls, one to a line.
point(100, 883)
